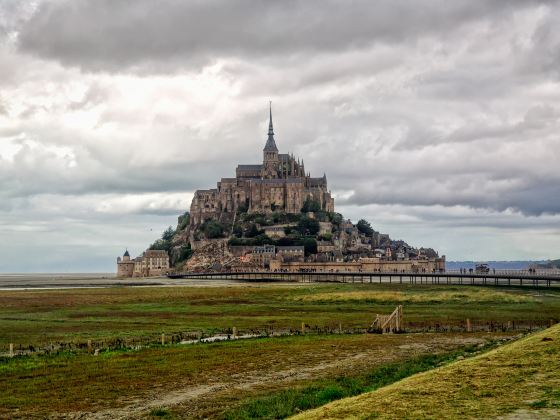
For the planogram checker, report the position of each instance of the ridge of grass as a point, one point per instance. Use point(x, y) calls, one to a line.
point(521, 378)
point(287, 402)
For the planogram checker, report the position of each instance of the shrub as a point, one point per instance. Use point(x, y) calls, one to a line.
point(336, 218)
point(212, 229)
point(185, 253)
point(310, 245)
point(326, 237)
point(242, 208)
point(253, 231)
point(310, 205)
point(184, 221)
point(308, 226)
point(237, 231)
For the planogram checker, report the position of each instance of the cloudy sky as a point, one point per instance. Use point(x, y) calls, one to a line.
point(437, 121)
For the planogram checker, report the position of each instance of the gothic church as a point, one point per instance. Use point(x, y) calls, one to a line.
point(278, 184)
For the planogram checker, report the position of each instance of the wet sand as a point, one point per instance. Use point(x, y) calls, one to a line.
point(77, 280)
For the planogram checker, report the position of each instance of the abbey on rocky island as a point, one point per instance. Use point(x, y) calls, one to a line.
point(280, 183)
point(274, 216)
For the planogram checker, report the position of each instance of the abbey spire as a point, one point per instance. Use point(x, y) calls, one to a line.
point(270, 143)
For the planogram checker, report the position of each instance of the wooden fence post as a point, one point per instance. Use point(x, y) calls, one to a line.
point(89, 346)
point(340, 327)
point(163, 339)
point(303, 327)
point(469, 329)
point(11, 349)
point(234, 330)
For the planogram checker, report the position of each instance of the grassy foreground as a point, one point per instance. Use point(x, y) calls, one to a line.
point(203, 380)
point(521, 379)
point(40, 317)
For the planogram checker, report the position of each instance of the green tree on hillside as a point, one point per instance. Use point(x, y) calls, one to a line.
point(335, 218)
point(364, 227)
point(253, 231)
point(184, 221)
point(165, 243)
point(212, 229)
point(185, 253)
point(308, 226)
point(168, 234)
point(242, 208)
point(310, 205)
point(237, 230)
point(309, 244)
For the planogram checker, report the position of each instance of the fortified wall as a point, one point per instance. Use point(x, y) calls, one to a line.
point(363, 265)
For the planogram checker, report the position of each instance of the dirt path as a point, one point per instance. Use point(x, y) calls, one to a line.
point(194, 399)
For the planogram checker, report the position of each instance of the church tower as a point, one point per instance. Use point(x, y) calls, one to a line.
point(270, 152)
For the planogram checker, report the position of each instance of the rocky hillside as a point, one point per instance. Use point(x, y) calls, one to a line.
point(205, 246)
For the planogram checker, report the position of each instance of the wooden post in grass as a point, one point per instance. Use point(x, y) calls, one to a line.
point(469, 329)
point(303, 327)
point(163, 339)
point(11, 349)
point(89, 346)
point(340, 327)
point(234, 332)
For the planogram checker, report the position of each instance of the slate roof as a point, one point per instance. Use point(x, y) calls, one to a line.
point(249, 167)
point(290, 248)
point(316, 181)
point(278, 181)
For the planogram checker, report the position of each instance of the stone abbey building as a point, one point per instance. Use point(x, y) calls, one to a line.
point(280, 183)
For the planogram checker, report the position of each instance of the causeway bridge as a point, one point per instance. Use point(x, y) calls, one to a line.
point(509, 278)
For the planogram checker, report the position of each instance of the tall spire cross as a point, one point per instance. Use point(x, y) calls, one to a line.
point(270, 129)
point(270, 143)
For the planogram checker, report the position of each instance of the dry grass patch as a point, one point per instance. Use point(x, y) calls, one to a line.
point(521, 377)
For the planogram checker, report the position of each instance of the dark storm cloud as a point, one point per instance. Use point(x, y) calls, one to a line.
point(425, 116)
point(12, 14)
point(529, 200)
point(110, 34)
point(35, 172)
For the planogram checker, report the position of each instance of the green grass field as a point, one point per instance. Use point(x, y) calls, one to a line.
point(263, 377)
point(41, 317)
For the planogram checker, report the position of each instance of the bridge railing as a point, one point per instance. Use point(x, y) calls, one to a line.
point(537, 272)
point(453, 278)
